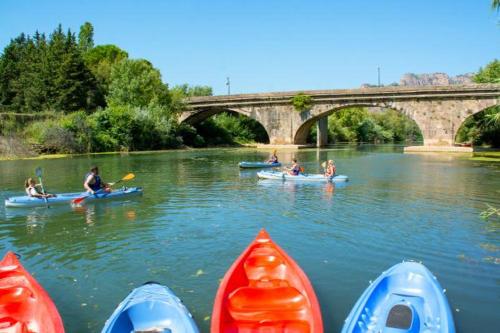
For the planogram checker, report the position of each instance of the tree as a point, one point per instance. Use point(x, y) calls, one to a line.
point(137, 83)
point(483, 127)
point(100, 60)
point(489, 74)
point(73, 85)
point(495, 4)
point(10, 69)
point(86, 37)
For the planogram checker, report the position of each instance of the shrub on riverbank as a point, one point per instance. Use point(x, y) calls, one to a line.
point(117, 128)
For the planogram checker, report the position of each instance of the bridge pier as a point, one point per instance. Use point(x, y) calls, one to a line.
point(322, 132)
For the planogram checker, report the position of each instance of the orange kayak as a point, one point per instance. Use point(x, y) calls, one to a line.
point(265, 291)
point(24, 306)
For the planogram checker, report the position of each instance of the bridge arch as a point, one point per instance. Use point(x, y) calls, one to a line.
point(200, 115)
point(471, 119)
point(303, 131)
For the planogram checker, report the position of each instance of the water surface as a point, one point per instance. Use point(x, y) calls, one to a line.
point(199, 212)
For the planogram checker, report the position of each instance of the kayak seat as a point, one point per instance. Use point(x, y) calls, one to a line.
point(400, 317)
point(275, 327)
point(267, 304)
point(14, 295)
point(265, 263)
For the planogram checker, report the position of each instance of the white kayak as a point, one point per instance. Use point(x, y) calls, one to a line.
point(252, 165)
point(301, 177)
point(66, 198)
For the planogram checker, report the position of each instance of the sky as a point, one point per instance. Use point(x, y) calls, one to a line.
point(277, 45)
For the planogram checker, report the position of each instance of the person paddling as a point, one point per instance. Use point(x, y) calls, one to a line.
point(274, 158)
point(330, 169)
point(32, 191)
point(94, 183)
point(295, 169)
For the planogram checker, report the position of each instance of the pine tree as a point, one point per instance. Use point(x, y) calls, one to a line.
point(86, 37)
point(10, 69)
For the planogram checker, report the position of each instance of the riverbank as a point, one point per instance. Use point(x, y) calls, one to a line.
point(485, 154)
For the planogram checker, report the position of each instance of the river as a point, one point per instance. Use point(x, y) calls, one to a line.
point(199, 212)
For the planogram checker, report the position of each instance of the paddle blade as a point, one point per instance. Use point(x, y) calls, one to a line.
point(78, 200)
point(128, 177)
point(323, 165)
point(38, 172)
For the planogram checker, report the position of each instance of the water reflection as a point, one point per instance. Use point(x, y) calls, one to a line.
point(199, 211)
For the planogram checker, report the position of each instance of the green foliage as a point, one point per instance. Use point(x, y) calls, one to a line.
point(489, 74)
point(179, 93)
point(301, 102)
point(356, 124)
point(483, 128)
point(86, 37)
point(495, 4)
point(230, 128)
point(186, 90)
point(136, 83)
point(38, 74)
point(100, 61)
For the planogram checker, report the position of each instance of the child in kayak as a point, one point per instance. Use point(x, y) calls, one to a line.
point(330, 169)
point(31, 190)
point(93, 182)
point(295, 169)
point(273, 159)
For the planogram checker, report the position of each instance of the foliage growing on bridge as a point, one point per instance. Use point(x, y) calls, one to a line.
point(301, 102)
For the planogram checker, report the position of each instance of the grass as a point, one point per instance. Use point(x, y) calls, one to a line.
point(486, 156)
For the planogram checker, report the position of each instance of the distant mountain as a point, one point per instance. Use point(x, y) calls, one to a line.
point(433, 79)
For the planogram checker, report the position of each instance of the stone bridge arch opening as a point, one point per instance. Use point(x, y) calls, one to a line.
point(480, 128)
point(367, 123)
point(224, 126)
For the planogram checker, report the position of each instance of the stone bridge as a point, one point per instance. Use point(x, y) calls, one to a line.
point(439, 111)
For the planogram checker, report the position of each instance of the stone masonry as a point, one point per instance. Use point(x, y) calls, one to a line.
point(439, 111)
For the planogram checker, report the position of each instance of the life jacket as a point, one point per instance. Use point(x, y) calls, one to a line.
point(28, 190)
point(96, 186)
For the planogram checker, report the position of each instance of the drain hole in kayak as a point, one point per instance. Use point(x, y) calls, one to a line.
point(400, 317)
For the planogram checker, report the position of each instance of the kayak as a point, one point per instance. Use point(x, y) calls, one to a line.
point(406, 298)
point(24, 305)
point(311, 177)
point(151, 308)
point(265, 291)
point(255, 165)
point(65, 198)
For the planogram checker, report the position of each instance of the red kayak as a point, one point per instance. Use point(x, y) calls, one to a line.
point(24, 306)
point(265, 291)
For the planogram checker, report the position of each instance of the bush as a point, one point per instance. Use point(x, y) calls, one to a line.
point(301, 102)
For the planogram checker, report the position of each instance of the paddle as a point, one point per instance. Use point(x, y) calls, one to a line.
point(80, 199)
point(38, 172)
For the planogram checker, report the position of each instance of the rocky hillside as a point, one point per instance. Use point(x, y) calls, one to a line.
point(434, 79)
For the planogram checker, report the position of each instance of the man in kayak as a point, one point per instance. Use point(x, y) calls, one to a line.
point(295, 169)
point(273, 159)
point(31, 190)
point(93, 182)
point(330, 169)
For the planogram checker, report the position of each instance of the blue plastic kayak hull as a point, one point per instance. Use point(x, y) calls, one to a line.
point(405, 298)
point(301, 177)
point(256, 165)
point(66, 198)
point(151, 308)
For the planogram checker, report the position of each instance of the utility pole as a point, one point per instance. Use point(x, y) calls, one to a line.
point(378, 71)
point(228, 84)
